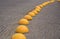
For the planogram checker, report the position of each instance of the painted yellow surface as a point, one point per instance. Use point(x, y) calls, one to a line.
point(28, 17)
point(58, 0)
point(22, 29)
point(23, 21)
point(31, 14)
point(37, 9)
point(41, 5)
point(18, 36)
point(35, 12)
point(45, 3)
point(52, 1)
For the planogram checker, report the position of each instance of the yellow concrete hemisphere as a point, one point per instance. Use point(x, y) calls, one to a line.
point(28, 17)
point(22, 29)
point(58, 0)
point(52, 1)
point(37, 9)
point(46, 3)
point(18, 36)
point(31, 14)
point(41, 5)
point(23, 21)
point(35, 12)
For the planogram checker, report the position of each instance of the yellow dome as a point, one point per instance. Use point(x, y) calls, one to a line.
point(31, 14)
point(45, 3)
point(22, 29)
point(58, 0)
point(23, 21)
point(38, 7)
point(41, 5)
point(28, 17)
point(34, 11)
point(52, 1)
point(18, 36)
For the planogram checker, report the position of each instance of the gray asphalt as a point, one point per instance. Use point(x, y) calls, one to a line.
point(46, 25)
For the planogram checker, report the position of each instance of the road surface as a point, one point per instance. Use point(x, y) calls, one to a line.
point(46, 25)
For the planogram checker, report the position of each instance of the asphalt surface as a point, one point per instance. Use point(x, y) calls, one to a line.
point(46, 25)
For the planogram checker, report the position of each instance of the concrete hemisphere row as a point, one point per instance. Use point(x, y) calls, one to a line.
point(22, 28)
